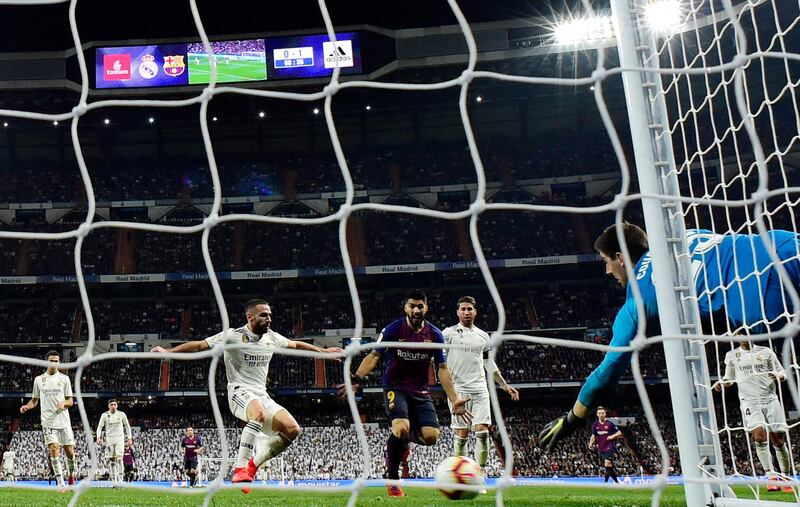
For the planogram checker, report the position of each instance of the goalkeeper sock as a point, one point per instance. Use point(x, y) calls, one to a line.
point(764, 457)
point(274, 446)
point(57, 471)
point(482, 447)
point(458, 445)
point(784, 458)
point(395, 448)
point(249, 434)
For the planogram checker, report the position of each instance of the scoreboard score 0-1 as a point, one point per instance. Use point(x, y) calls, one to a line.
point(287, 58)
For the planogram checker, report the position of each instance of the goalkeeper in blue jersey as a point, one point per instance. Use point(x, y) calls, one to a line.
point(734, 276)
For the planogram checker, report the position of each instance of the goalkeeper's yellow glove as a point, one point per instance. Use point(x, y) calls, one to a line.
point(559, 429)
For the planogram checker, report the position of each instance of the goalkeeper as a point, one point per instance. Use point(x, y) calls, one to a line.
point(733, 275)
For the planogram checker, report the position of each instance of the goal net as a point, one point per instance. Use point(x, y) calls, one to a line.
point(713, 116)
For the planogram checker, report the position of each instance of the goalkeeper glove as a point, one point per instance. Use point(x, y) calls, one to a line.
point(559, 429)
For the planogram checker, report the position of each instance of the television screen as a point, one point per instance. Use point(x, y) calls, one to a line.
point(237, 61)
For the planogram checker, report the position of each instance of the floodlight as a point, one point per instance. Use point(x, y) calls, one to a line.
point(580, 30)
point(663, 15)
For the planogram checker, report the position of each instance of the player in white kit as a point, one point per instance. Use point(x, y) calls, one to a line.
point(8, 466)
point(247, 370)
point(54, 390)
point(469, 367)
point(755, 370)
point(118, 435)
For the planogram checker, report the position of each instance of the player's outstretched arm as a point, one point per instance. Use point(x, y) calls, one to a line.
point(369, 363)
point(459, 405)
point(193, 346)
point(599, 382)
point(295, 344)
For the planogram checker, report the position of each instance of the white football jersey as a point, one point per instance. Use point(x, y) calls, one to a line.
point(52, 390)
point(116, 426)
point(750, 370)
point(8, 460)
point(247, 367)
point(468, 366)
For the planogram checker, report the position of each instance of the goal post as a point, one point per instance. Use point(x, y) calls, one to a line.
point(693, 407)
point(705, 479)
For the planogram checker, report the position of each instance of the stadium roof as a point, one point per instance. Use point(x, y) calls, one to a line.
point(46, 27)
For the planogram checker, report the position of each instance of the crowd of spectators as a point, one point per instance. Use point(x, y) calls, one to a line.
point(374, 238)
point(158, 456)
point(540, 306)
point(439, 164)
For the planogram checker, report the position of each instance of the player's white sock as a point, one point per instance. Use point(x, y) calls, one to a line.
point(784, 458)
point(113, 469)
point(271, 448)
point(459, 443)
point(249, 434)
point(481, 447)
point(56, 463)
point(764, 457)
point(70, 466)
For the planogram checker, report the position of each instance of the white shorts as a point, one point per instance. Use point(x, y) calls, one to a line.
point(60, 436)
point(8, 470)
point(767, 415)
point(239, 398)
point(115, 448)
point(478, 405)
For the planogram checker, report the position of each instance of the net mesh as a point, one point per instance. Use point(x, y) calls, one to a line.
point(711, 69)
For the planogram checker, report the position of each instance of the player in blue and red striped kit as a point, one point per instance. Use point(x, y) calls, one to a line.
point(604, 432)
point(412, 415)
point(192, 446)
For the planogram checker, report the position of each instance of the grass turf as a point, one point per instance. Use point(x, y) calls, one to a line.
point(533, 496)
point(233, 71)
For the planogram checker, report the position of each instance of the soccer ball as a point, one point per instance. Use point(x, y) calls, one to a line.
point(458, 470)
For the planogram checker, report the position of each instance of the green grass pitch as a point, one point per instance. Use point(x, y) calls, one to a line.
point(231, 72)
point(533, 496)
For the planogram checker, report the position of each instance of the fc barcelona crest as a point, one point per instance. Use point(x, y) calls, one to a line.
point(174, 65)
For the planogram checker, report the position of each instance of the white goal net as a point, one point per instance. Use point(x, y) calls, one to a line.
point(723, 75)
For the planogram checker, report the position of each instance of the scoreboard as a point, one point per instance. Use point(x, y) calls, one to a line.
point(293, 57)
point(305, 56)
point(287, 58)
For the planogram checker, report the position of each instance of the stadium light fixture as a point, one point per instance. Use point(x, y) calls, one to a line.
point(582, 30)
point(663, 16)
point(316, 110)
point(5, 124)
point(55, 123)
point(106, 121)
point(214, 118)
point(368, 108)
point(151, 120)
point(261, 114)
point(479, 99)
